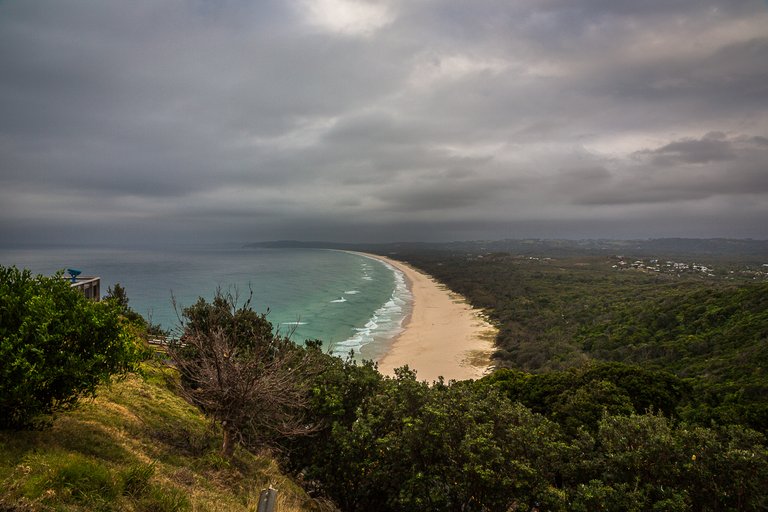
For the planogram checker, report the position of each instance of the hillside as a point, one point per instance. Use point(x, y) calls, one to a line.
point(136, 447)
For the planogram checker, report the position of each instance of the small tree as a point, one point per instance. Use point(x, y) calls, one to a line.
point(118, 296)
point(238, 372)
point(55, 345)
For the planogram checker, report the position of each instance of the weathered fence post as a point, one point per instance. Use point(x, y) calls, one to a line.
point(268, 500)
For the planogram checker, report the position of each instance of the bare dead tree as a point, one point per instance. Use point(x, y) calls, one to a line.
point(242, 375)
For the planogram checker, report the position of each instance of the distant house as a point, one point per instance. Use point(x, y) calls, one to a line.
point(90, 286)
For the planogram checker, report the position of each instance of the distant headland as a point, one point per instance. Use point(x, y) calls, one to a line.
point(746, 248)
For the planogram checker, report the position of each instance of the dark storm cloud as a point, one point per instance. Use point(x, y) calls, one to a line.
point(690, 169)
point(353, 119)
point(442, 191)
point(711, 148)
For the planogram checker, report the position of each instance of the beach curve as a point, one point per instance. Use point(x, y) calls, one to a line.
point(443, 336)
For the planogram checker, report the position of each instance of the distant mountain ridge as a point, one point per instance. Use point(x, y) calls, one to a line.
point(755, 250)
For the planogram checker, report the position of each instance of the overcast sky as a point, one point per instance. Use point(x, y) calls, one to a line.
point(154, 121)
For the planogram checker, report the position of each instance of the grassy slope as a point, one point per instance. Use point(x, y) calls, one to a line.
point(137, 446)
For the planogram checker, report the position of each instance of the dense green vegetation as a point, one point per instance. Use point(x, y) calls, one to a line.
point(397, 444)
point(578, 397)
point(561, 313)
point(717, 338)
point(55, 345)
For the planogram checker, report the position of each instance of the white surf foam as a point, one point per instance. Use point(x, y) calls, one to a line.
point(385, 323)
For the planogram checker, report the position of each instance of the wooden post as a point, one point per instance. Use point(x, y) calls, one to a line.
point(268, 500)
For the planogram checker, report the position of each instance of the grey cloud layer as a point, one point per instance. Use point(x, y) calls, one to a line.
point(347, 119)
point(691, 169)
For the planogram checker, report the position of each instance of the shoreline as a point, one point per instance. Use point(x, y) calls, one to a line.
point(442, 336)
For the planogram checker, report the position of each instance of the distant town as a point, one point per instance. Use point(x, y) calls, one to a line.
point(745, 271)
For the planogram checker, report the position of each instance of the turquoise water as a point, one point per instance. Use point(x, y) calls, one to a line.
point(348, 301)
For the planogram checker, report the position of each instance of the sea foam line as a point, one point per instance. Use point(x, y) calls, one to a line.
point(386, 322)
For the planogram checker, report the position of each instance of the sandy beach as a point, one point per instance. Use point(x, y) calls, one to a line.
point(444, 336)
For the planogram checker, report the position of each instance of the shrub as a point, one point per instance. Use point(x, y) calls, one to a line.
point(239, 373)
point(55, 345)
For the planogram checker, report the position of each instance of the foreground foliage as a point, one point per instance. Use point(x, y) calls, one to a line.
point(136, 447)
point(578, 397)
point(55, 345)
point(398, 444)
point(238, 372)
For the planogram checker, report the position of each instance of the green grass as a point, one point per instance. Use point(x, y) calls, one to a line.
point(136, 447)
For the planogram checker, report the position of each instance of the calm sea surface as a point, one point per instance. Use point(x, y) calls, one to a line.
point(349, 301)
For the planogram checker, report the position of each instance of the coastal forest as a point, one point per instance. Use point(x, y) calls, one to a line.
point(704, 323)
point(623, 380)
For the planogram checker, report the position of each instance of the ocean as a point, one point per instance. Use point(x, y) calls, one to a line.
point(349, 301)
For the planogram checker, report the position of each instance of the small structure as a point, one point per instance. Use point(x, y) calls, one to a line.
point(268, 500)
point(90, 286)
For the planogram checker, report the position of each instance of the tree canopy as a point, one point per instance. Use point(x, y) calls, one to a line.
point(398, 444)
